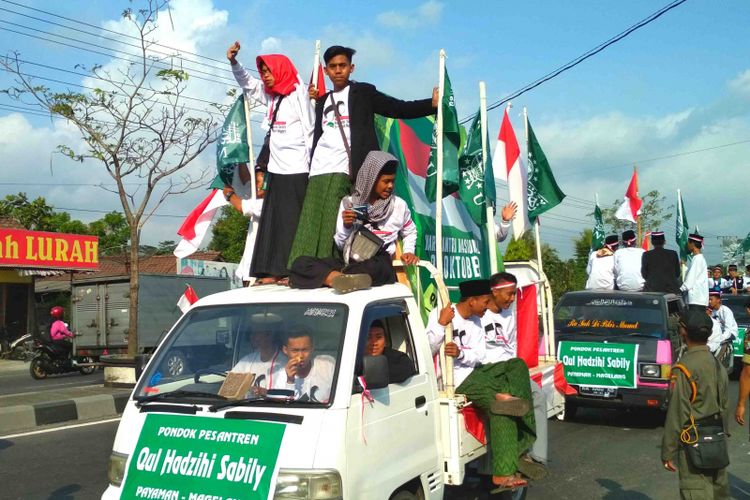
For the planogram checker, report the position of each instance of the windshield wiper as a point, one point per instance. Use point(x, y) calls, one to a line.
point(179, 393)
point(283, 396)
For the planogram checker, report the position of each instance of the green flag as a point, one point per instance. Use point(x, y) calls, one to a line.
point(474, 190)
point(742, 248)
point(597, 235)
point(683, 228)
point(232, 146)
point(451, 146)
point(542, 192)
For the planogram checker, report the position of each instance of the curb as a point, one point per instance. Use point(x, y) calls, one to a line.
point(25, 417)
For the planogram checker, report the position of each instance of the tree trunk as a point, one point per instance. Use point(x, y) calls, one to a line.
point(133, 311)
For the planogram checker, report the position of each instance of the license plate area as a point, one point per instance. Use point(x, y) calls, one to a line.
point(598, 392)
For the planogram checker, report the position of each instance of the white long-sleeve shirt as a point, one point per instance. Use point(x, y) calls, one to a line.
point(601, 271)
point(398, 224)
point(266, 372)
point(627, 269)
point(292, 135)
point(500, 335)
point(696, 281)
point(468, 335)
point(501, 230)
point(316, 386)
point(724, 328)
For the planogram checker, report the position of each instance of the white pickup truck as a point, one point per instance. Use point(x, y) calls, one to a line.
point(179, 439)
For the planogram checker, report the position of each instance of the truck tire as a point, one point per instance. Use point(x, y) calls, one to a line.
point(87, 370)
point(570, 411)
point(175, 364)
point(36, 369)
point(404, 495)
point(519, 494)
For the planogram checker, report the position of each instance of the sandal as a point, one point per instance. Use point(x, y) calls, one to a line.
point(345, 283)
point(531, 468)
point(508, 483)
point(515, 407)
point(283, 282)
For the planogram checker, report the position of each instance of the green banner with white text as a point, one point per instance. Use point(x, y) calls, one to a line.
point(187, 457)
point(596, 364)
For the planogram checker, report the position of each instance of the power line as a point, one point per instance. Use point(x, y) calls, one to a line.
point(125, 35)
point(586, 55)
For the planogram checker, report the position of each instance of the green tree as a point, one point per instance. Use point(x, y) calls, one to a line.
point(113, 233)
point(33, 215)
point(521, 249)
point(582, 248)
point(654, 213)
point(229, 233)
point(135, 125)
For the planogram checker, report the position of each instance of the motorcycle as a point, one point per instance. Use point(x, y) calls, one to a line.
point(49, 358)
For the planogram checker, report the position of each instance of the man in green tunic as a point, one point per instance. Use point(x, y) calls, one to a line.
point(700, 390)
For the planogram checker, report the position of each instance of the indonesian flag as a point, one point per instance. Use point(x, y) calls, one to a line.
point(527, 326)
point(196, 224)
point(631, 207)
point(187, 299)
point(507, 163)
point(320, 84)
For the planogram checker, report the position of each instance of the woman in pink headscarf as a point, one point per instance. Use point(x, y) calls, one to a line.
point(289, 120)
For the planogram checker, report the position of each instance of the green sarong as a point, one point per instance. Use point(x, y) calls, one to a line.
point(510, 437)
point(317, 222)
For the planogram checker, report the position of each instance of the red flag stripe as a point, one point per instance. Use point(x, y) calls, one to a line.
point(528, 326)
point(508, 136)
point(190, 295)
point(632, 194)
point(187, 229)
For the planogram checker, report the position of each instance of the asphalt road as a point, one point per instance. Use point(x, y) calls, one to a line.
point(601, 454)
point(15, 379)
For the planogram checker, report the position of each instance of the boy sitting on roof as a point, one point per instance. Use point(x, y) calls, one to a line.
point(372, 207)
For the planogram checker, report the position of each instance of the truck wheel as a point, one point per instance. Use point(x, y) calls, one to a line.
point(404, 495)
point(175, 364)
point(519, 494)
point(36, 370)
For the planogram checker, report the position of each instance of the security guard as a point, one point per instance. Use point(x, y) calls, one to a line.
point(698, 392)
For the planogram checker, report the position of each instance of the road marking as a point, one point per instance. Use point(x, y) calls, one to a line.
point(52, 388)
point(45, 431)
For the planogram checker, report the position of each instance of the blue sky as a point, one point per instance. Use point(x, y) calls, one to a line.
point(680, 84)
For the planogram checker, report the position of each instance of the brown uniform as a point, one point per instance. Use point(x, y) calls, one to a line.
point(712, 396)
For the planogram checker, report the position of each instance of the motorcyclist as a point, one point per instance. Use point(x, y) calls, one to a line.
point(59, 334)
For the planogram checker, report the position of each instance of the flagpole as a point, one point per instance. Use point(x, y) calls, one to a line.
point(538, 239)
point(491, 240)
point(637, 216)
point(250, 155)
point(449, 388)
point(314, 74)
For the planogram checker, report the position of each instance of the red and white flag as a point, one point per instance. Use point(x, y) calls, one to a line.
point(507, 162)
point(646, 239)
point(527, 325)
point(196, 224)
point(187, 299)
point(318, 80)
point(631, 207)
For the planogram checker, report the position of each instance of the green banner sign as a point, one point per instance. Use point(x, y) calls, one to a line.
point(184, 458)
point(739, 341)
point(596, 364)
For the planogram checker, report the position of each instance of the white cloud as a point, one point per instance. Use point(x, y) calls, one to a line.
point(741, 83)
point(428, 13)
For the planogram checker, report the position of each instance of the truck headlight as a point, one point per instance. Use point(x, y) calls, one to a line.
point(650, 371)
point(292, 484)
point(116, 468)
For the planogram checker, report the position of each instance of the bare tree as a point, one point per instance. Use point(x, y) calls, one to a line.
point(135, 123)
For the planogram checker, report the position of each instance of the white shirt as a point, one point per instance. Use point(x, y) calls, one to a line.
point(719, 284)
point(696, 281)
point(468, 335)
point(500, 335)
point(601, 271)
point(319, 379)
point(266, 372)
point(628, 269)
point(292, 135)
point(398, 224)
point(252, 210)
point(501, 230)
point(330, 153)
point(725, 327)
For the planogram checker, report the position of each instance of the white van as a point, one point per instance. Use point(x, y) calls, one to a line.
point(179, 439)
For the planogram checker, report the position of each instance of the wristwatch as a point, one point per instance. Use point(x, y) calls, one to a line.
point(229, 195)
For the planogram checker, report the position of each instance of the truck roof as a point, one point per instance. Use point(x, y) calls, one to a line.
point(618, 293)
point(276, 294)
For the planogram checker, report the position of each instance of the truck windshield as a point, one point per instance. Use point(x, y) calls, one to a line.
point(737, 305)
point(608, 316)
point(243, 351)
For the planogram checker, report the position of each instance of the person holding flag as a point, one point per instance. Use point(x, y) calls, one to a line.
point(660, 267)
point(695, 285)
point(290, 121)
point(344, 133)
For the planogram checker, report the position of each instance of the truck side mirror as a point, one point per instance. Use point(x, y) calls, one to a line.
point(141, 360)
point(375, 371)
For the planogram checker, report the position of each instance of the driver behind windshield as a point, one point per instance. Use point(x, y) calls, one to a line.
point(265, 360)
point(400, 366)
point(308, 374)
